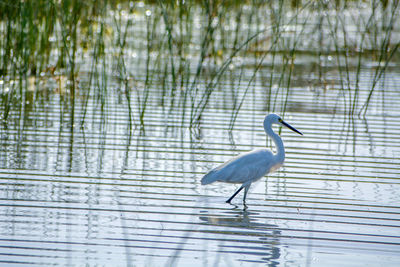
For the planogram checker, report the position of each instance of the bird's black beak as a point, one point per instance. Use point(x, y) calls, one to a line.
point(290, 127)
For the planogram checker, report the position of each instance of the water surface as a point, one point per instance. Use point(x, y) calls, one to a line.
point(93, 182)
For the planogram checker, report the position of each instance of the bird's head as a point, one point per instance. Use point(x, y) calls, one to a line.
point(275, 119)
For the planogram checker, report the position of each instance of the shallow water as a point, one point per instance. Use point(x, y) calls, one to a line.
point(107, 197)
point(112, 191)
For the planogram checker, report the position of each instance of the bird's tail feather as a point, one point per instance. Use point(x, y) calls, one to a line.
point(209, 178)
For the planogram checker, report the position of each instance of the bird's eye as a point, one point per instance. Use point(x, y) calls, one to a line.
point(280, 120)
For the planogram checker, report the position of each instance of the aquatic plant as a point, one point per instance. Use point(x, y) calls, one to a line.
point(179, 53)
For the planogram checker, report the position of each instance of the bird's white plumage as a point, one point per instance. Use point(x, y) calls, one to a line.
point(247, 167)
point(251, 166)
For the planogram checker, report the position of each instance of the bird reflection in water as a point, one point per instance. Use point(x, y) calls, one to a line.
point(250, 235)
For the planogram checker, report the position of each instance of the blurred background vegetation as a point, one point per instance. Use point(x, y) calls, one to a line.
point(177, 53)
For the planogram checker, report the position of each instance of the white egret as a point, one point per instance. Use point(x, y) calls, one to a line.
point(251, 166)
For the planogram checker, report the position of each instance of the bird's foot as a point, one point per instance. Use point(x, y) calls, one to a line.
point(234, 205)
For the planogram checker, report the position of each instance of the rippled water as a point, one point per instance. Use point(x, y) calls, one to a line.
point(93, 184)
point(99, 195)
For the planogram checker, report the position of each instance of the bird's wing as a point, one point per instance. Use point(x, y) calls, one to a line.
point(243, 168)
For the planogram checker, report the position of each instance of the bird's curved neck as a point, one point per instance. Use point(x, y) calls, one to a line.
point(280, 149)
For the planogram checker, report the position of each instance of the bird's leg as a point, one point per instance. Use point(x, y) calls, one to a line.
point(234, 195)
point(246, 189)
